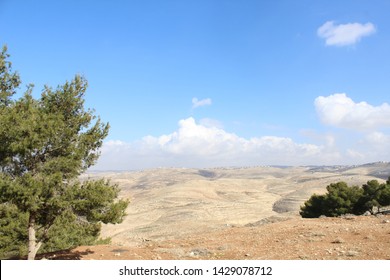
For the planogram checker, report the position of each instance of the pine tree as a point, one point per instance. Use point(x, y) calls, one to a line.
point(341, 199)
point(46, 144)
point(375, 196)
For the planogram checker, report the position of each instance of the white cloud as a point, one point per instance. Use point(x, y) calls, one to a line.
point(378, 143)
point(207, 122)
point(344, 34)
point(378, 138)
point(341, 111)
point(355, 155)
point(196, 145)
point(200, 103)
point(374, 146)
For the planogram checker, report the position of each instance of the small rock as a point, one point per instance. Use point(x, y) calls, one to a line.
point(117, 254)
point(369, 237)
point(199, 253)
point(247, 255)
point(385, 221)
point(319, 234)
point(349, 217)
point(352, 254)
point(338, 240)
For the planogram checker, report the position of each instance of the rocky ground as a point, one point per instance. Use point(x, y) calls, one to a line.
point(346, 238)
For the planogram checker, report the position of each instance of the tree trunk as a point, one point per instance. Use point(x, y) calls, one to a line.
point(33, 246)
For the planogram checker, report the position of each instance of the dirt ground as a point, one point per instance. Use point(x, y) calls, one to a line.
point(345, 238)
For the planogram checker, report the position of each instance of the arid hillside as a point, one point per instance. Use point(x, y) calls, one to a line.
point(347, 238)
point(240, 213)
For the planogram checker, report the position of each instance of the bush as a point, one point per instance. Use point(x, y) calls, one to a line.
point(375, 196)
point(341, 199)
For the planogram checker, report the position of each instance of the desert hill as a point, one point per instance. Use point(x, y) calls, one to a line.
point(171, 204)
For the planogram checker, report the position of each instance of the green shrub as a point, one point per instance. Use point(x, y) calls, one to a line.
point(342, 199)
point(375, 196)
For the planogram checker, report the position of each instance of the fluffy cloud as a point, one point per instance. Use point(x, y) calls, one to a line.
point(207, 122)
point(344, 34)
point(200, 103)
point(196, 145)
point(379, 144)
point(378, 138)
point(341, 111)
point(374, 146)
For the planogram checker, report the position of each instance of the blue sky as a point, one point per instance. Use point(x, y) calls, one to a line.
point(217, 83)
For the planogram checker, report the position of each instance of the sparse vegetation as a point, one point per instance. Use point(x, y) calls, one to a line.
point(342, 199)
point(46, 144)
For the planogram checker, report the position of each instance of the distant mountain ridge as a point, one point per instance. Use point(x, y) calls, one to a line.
point(380, 169)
